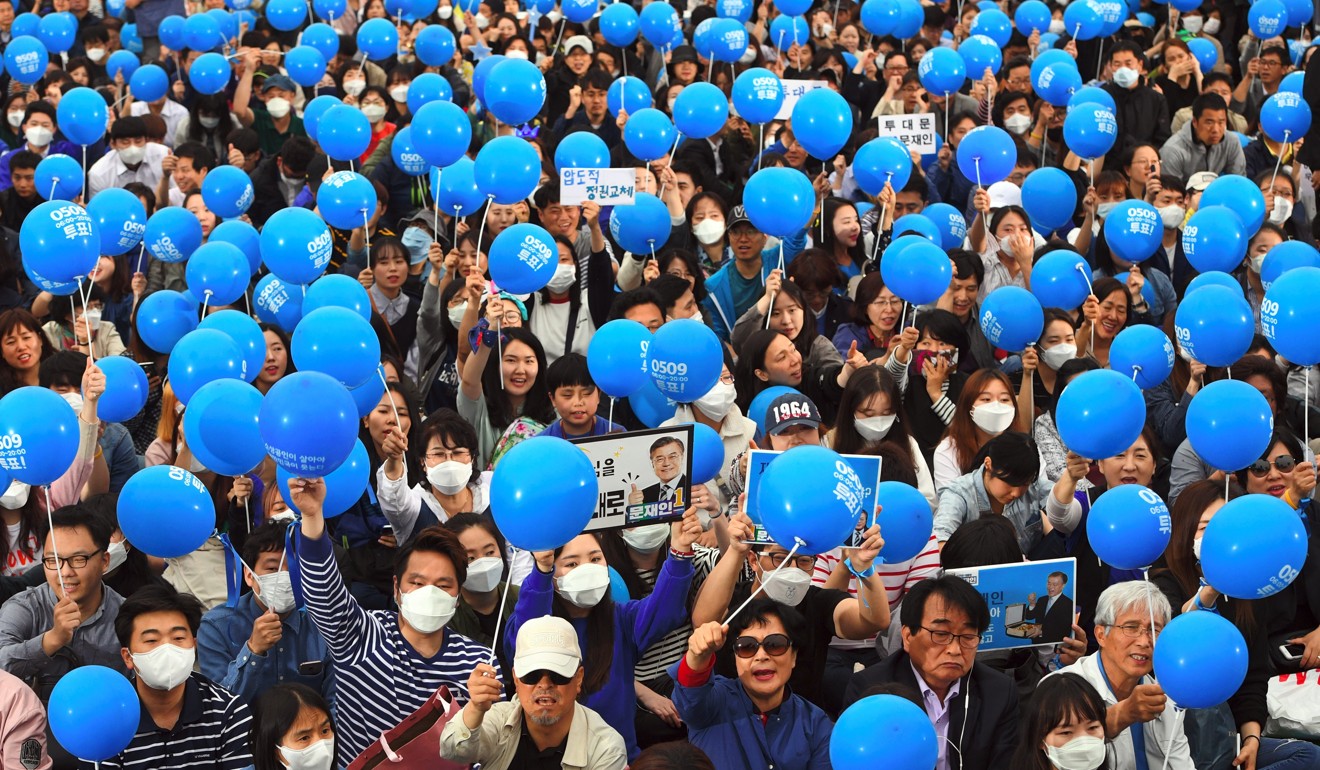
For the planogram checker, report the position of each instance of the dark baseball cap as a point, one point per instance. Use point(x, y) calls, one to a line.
point(788, 410)
point(683, 53)
point(278, 81)
point(738, 217)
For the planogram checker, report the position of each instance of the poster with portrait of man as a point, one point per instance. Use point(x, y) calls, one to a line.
point(643, 477)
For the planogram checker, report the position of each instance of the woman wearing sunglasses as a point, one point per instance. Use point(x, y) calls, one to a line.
point(720, 712)
point(1281, 472)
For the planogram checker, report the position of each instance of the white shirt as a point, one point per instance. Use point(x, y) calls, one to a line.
point(549, 322)
point(172, 113)
point(939, 715)
point(110, 171)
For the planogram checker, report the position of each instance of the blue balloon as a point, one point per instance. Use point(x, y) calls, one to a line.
point(1254, 546)
point(329, 9)
point(441, 133)
point(277, 302)
point(218, 272)
point(951, 225)
point(60, 241)
point(305, 65)
point(458, 192)
point(38, 435)
point(227, 191)
point(225, 21)
point(1061, 279)
point(203, 356)
point(879, 17)
point(58, 31)
point(883, 159)
point(648, 135)
point(761, 404)
point(367, 395)
point(59, 177)
point(1093, 95)
point(1239, 194)
point(1285, 116)
point(618, 24)
point(642, 227)
point(758, 94)
point(579, 11)
point(1214, 239)
point(81, 115)
point(344, 485)
point(1289, 313)
point(1267, 18)
point(125, 389)
point(1133, 230)
point(980, 53)
point(242, 235)
point(523, 258)
point(286, 15)
point(120, 218)
point(1214, 278)
point(309, 423)
point(1100, 414)
point(343, 132)
point(919, 224)
point(904, 519)
point(1205, 52)
point(434, 45)
point(245, 333)
point(915, 270)
point(1192, 644)
point(628, 94)
point(515, 90)
point(171, 32)
point(701, 38)
point(700, 111)
point(728, 40)
point(1058, 83)
point(59, 289)
point(1047, 59)
point(346, 199)
point(1292, 82)
point(1032, 16)
point(658, 21)
point(173, 234)
point(26, 60)
point(507, 169)
point(582, 149)
point(534, 468)
point(1299, 14)
point(794, 514)
point(163, 318)
point(1050, 198)
point(378, 39)
point(707, 453)
point(149, 83)
point(1215, 326)
point(94, 712)
point(1144, 352)
point(221, 425)
point(1287, 256)
point(323, 38)
point(995, 25)
point(1083, 21)
point(481, 72)
point(426, 88)
point(788, 31)
point(822, 123)
point(166, 512)
point(987, 155)
point(202, 33)
point(779, 201)
point(741, 10)
point(1011, 318)
point(883, 728)
point(210, 73)
point(314, 110)
point(338, 291)
point(338, 342)
point(1090, 130)
point(25, 25)
point(616, 357)
point(650, 405)
point(910, 19)
point(295, 245)
point(684, 359)
point(1229, 424)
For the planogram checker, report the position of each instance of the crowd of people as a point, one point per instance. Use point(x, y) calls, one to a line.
point(409, 626)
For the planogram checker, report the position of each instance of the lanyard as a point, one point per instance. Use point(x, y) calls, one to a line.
point(1137, 731)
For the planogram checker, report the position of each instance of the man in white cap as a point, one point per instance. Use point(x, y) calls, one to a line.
point(545, 727)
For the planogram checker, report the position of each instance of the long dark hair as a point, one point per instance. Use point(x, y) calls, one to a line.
point(961, 429)
point(828, 209)
point(274, 714)
point(462, 522)
point(410, 462)
point(807, 335)
point(750, 358)
point(214, 103)
point(9, 321)
point(1179, 559)
point(1058, 699)
point(536, 404)
point(600, 634)
point(863, 384)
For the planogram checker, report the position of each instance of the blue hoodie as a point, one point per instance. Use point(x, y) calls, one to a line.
point(719, 307)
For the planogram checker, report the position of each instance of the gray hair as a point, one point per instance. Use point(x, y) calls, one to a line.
point(1124, 597)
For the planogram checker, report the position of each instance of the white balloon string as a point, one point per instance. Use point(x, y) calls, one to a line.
point(87, 324)
point(495, 638)
point(787, 560)
point(380, 372)
point(55, 552)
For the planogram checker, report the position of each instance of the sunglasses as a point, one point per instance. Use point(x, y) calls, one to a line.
point(774, 645)
point(1261, 468)
point(535, 677)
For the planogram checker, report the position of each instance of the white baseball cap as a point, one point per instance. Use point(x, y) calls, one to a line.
point(547, 643)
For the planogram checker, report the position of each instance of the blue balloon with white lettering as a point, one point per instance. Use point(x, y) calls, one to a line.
point(227, 191)
point(1214, 239)
point(167, 511)
point(1133, 230)
point(277, 302)
point(173, 234)
point(309, 423)
point(120, 218)
point(26, 59)
point(1011, 318)
point(1214, 325)
point(758, 95)
point(684, 360)
point(523, 258)
point(1128, 527)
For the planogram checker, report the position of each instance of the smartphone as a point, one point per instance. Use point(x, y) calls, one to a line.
point(388, 529)
point(148, 367)
point(922, 356)
point(311, 667)
point(1292, 651)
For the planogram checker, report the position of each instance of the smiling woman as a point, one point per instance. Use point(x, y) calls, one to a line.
point(23, 347)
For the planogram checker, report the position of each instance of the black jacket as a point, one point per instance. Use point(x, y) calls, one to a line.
point(1057, 622)
point(983, 718)
point(1143, 116)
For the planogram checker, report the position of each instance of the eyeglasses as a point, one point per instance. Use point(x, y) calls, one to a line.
point(806, 563)
point(942, 638)
point(1137, 630)
point(727, 379)
point(1261, 468)
point(457, 455)
point(1026, 81)
point(774, 645)
point(77, 561)
point(891, 302)
point(897, 70)
point(535, 677)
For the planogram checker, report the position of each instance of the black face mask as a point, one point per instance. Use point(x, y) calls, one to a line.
point(1055, 134)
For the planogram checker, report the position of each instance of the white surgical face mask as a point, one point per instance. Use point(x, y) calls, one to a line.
point(355, 86)
point(1172, 216)
point(427, 609)
point(1102, 210)
point(317, 756)
point(1058, 27)
point(708, 231)
point(15, 119)
point(1082, 753)
point(375, 112)
point(92, 316)
point(132, 155)
point(165, 667)
point(1283, 209)
point(445, 12)
point(276, 591)
point(564, 278)
point(483, 574)
point(993, 418)
point(1257, 262)
point(1058, 355)
point(208, 122)
point(399, 93)
point(278, 107)
point(457, 312)
point(15, 497)
point(1193, 24)
point(1017, 124)
point(788, 586)
point(875, 428)
point(648, 538)
point(96, 54)
point(516, 53)
point(1126, 77)
point(699, 318)
point(584, 585)
point(118, 555)
point(553, 15)
point(482, 21)
point(38, 136)
point(1196, 547)
point(718, 400)
point(1211, 26)
point(449, 477)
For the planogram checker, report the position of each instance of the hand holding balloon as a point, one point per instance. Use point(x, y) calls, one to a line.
point(1146, 702)
point(704, 643)
point(308, 495)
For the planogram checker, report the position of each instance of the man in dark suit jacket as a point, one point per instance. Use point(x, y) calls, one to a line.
point(669, 461)
point(1054, 610)
point(943, 619)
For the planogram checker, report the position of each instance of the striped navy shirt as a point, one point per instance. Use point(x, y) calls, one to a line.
point(380, 678)
point(213, 732)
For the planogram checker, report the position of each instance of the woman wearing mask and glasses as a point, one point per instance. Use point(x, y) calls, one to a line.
point(1063, 728)
point(375, 103)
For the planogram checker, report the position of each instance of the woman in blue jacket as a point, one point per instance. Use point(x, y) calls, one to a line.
point(573, 583)
point(753, 721)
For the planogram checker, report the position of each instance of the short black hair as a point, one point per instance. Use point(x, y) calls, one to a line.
point(245, 140)
point(967, 264)
point(142, 191)
point(760, 610)
point(669, 288)
point(981, 543)
point(943, 326)
point(201, 156)
point(23, 159)
point(40, 107)
point(156, 597)
point(1278, 51)
point(433, 539)
point(1130, 46)
point(1208, 101)
point(297, 152)
point(268, 538)
point(955, 592)
point(62, 370)
point(1013, 458)
point(662, 442)
point(568, 370)
point(77, 515)
point(128, 127)
point(917, 183)
point(547, 194)
point(273, 715)
point(1060, 575)
point(625, 301)
point(597, 78)
point(1210, 78)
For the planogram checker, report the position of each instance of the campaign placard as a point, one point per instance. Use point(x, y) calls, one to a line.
point(916, 131)
point(643, 477)
point(605, 186)
point(794, 90)
point(867, 468)
point(1032, 604)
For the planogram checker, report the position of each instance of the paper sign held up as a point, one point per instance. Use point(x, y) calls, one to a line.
point(605, 186)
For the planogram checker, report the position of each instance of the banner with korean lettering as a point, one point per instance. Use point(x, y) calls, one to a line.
point(606, 186)
point(643, 476)
point(915, 131)
point(794, 90)
point(1032, 604)
point(866, 466)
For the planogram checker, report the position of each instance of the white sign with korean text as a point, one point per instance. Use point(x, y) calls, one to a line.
point(605, 186)
point(643, 477)
point(916, 131)
point(794, 90)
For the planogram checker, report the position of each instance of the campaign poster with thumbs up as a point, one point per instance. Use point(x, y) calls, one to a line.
point(644, 476)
